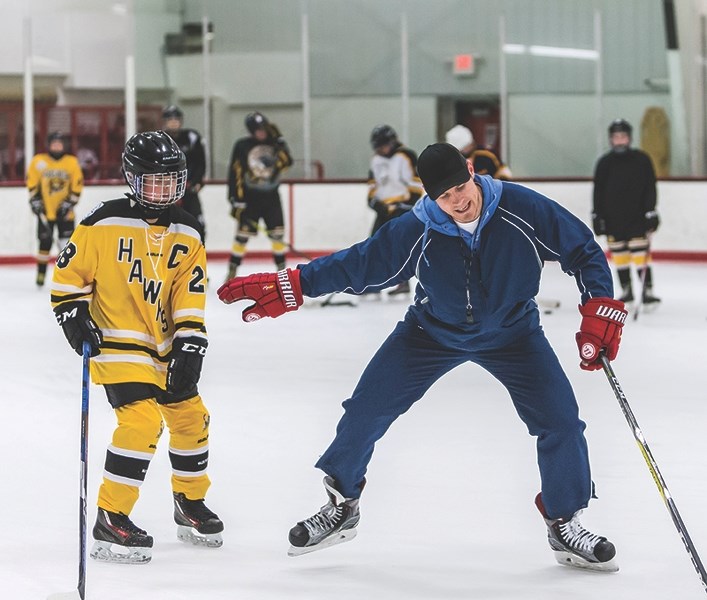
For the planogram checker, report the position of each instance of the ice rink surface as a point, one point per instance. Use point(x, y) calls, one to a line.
point(448, 511)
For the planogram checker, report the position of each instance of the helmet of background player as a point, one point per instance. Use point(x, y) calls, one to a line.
point(620, 131)
point(382, 135)
point(173, 117)
point(460, 137)
point(56, 144)
point(255, 121)
point(155, 169)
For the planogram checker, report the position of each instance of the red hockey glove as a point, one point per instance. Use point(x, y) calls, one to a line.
point(602, 321)
point(274, 293)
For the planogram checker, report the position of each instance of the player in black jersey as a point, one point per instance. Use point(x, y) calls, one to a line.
point(257, 162)
point(190, 142)
point(624, 209)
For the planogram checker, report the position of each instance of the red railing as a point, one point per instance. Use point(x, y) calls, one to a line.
point(96, 136)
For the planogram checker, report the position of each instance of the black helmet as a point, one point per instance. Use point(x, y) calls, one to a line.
point(620, 125)
point(55, 136)
point(382, 135)
point(155, 168)
point(172, 112)
point(254, 121)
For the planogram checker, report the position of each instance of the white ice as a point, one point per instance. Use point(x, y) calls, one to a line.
point(448, 511)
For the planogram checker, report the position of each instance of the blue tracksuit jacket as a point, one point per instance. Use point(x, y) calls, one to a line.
point(474, 303)
point(473, 290)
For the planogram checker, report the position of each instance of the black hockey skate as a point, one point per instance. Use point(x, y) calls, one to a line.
point(335, 523)
point(196, 524)
point(574, 546)
point(626, 294)
point(649, 300)
point(119, 540)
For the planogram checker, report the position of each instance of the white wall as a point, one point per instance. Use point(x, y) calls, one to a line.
point(540, 127)
point(329, 216)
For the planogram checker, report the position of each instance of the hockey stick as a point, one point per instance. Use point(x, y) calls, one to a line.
point(80, 592)
point(653, 468)
point(644, 276)
point(43, 220)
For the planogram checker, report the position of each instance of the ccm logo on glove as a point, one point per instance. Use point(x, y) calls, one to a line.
point(602, 322)
point(78, 326)
point(274, 294)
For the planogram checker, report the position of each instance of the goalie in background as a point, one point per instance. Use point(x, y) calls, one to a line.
point(257, 163)
point(55, 183)
point(477, 246)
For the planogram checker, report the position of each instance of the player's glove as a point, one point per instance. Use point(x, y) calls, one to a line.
point(237, 207)
point(598, 225)
point(273, 132)
point(380, 207)
point(36, 205)
point(602, 321)
point(64, 210)
point(274, 293)
point(651, 221)
point(78, 326)
point(185, 362)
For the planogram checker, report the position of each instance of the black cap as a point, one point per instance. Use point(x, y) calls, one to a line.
point(441, 167)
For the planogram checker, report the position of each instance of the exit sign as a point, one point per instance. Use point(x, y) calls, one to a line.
point(463, 64)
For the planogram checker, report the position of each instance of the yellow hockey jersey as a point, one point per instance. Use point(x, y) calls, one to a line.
point(54, 180)
point(145, 284)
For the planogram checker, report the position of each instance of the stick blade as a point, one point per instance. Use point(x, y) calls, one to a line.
point(65, 596)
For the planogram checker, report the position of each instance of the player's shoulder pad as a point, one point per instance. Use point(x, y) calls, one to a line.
point(408, 152)
point(119, 207)
point(181, 217)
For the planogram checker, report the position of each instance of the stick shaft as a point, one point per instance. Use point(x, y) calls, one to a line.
point(655, 472)
point(85, 382)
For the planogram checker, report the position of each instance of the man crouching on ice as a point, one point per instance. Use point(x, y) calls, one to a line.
point(477, 247)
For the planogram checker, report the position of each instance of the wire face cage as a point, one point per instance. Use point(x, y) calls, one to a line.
point(158, 190)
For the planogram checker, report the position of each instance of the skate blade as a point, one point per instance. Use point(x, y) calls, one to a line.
point(65, 596)
point(338, 538)
point(115, 553)
point(567, 559)
point(189, 535)
point(650, 307)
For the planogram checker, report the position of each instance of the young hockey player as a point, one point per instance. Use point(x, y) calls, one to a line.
point(55, 182)
point(257, 163)
point(190, 142)
point(625, 198)
point(485, 160)
point(477, 246)
point(132, 283)
point(393, 184)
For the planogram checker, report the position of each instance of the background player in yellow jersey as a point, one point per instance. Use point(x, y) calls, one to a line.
point(55, 182)
point(132, 282)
